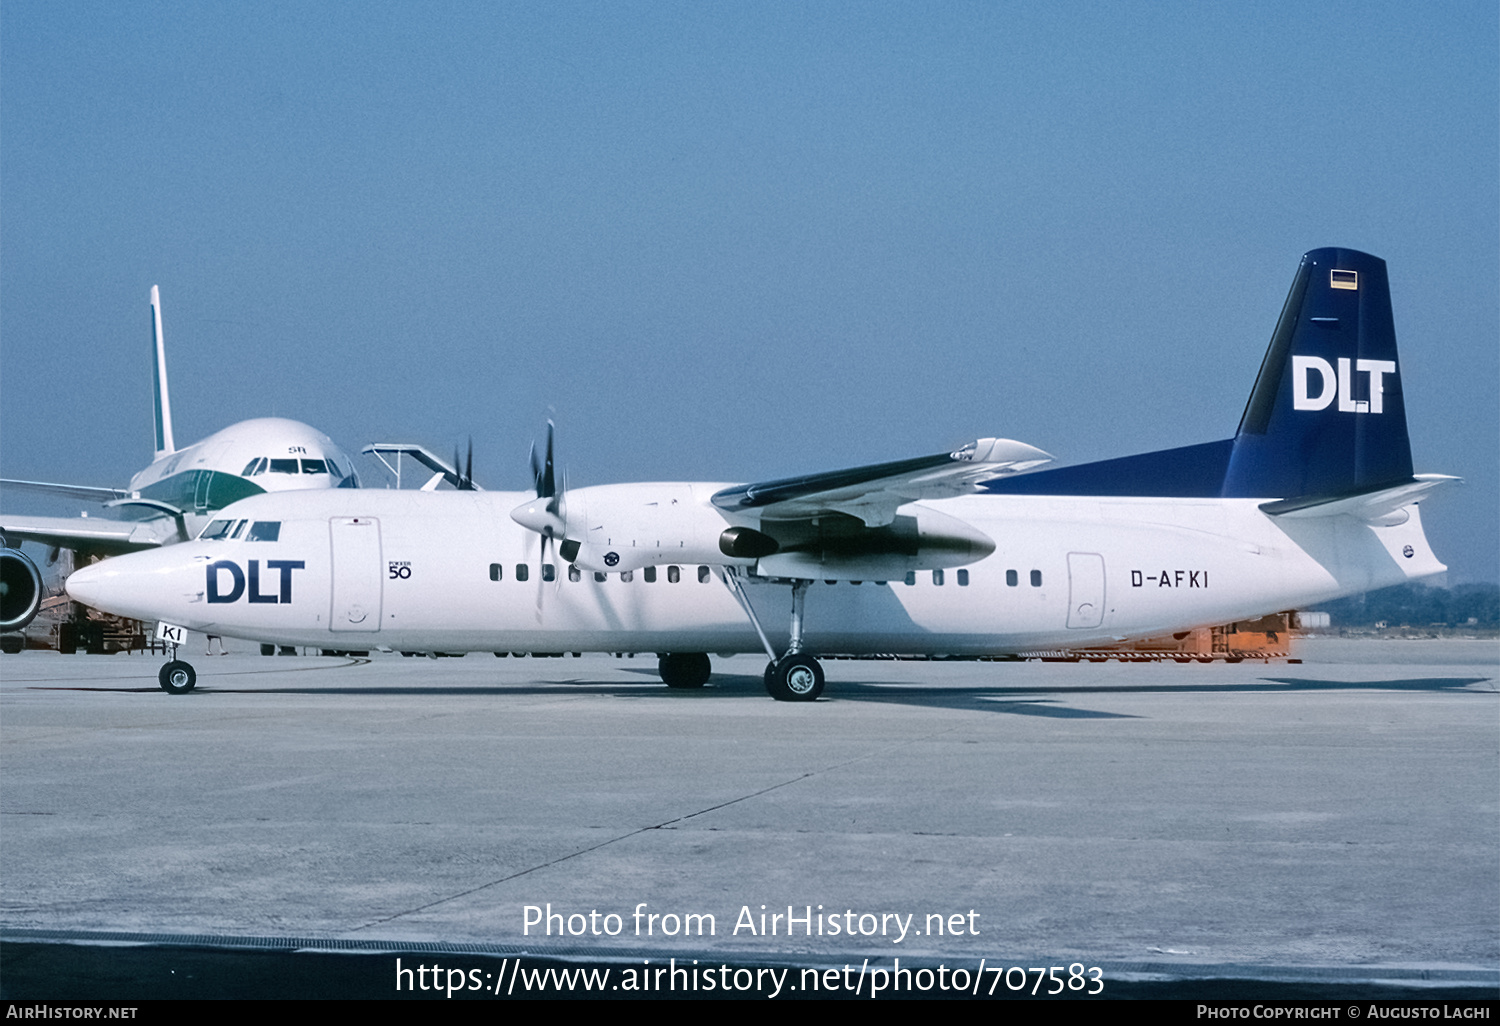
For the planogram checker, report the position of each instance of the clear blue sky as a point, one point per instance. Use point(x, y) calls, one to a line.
point(734, 241)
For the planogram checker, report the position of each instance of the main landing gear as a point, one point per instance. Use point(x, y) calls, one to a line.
point(794, 676)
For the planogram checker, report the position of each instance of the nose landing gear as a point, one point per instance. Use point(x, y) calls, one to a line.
point(177, 677)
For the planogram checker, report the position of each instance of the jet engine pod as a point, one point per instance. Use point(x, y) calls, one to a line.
point(20, 590)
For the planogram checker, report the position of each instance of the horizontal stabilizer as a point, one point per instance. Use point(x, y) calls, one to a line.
point(1384, 506)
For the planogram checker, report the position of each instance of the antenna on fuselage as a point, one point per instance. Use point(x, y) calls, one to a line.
point(165, 446)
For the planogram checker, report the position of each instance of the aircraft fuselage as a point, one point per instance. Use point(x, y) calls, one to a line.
point(453, 572)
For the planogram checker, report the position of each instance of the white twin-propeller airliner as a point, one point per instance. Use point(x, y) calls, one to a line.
point(971, 552)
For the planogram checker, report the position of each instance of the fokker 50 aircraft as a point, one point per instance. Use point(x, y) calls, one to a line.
point(958, 553)
point(172, 499)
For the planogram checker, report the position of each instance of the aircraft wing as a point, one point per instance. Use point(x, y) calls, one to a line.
point(101, 536)
point(85, 492)
point(874, 493)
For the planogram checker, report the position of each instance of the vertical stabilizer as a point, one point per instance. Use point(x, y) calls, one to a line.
point(1326, 416)
point(162, 402)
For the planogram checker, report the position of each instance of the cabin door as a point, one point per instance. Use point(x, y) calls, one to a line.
point(1085, 589)
point(356, 574)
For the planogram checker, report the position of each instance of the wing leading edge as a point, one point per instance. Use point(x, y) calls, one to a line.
point(873, 493)
point(86, 492)
point(94, 536)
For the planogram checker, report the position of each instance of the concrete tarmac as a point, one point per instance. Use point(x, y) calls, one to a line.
point(1340, 816)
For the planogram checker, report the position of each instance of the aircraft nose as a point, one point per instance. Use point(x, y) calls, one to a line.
point(85, 585)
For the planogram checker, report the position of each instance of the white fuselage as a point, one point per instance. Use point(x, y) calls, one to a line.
point(359, 569)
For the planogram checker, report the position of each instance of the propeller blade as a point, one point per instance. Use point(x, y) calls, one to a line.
point(547, 485)
point(541, 579)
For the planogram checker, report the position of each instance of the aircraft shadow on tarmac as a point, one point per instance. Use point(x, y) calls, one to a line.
point(1020, 701)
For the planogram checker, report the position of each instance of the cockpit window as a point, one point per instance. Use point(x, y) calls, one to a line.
point(314, 467)
point(221, 530)
point(283, 466)
point(264, 530)
point(250, 467)
point(216, 530)
point(333, 468)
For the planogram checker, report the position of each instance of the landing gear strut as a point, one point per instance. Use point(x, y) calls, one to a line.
point(794, 676)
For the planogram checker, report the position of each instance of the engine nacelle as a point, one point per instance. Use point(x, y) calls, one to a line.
point(21, 590)
point(840, 547)
point(613, 528)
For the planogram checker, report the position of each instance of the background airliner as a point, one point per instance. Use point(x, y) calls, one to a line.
point(964, 552)
point(170, 500)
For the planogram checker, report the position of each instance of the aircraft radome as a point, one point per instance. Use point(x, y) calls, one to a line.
point(962, 553)
point(172, 499)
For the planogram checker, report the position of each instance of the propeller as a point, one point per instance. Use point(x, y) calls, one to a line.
point(465, 481)
point(546, 514)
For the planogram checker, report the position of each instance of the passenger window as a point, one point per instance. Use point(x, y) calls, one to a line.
point(649, 574)
point(216, 530)
point(937, 577)
point(523, 572)
point(573, 574)
point(496, 571)
point(963, 578)
point(549, 572)
point(911, 577)
point(265, 530)
point(703, 574)
point(673, 575)
point(1036, 578)
point(1011, 578)
point(283, 466)
point(314, 467)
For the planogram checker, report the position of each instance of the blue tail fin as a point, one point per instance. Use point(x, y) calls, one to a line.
point(1326, 416)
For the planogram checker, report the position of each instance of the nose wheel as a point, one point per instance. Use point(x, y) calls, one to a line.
point(177, 677)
